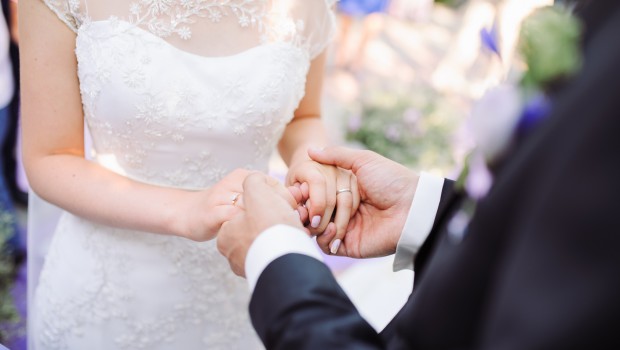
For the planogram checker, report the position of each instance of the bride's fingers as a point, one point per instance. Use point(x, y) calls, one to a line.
point(296, 193)
point(322, 190)
point(326, 238)
point(305, 190)
point(344, 205)
point(303, 214)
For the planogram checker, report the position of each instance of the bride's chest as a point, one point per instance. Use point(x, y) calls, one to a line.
point(126, 73)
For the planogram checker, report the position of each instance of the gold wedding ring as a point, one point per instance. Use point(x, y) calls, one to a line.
point(343, 190)
point(235, 198)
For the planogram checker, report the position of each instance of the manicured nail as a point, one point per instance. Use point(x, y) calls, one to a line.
point(333, 248)
point(316, 220)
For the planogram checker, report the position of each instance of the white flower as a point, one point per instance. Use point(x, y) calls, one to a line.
point(185, 33)
point(215, 16)
point(494, 118)
point(157, 7)
point(135, 9)
point(244, 21)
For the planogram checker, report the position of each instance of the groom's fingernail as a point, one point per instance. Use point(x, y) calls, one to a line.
point(333, 248)
point(316, 220)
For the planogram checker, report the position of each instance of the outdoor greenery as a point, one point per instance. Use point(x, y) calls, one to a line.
point(414, 128)
point(9, 318)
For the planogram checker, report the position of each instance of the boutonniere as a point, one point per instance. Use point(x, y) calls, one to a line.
point(548, 53)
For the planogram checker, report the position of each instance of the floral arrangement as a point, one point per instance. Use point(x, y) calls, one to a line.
point(549, 53)
point(9, 317)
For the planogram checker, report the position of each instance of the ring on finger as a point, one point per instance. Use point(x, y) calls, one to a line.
point(343, 190)
point(235, 198)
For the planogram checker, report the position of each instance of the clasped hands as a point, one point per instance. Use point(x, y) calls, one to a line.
point(372, 197)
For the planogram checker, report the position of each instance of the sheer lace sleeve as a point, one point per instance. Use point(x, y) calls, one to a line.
point(68, 11)
point(320, 25)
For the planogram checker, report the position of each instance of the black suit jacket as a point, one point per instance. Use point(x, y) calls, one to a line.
point(538, 267)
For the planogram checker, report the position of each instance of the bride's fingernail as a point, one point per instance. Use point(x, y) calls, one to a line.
point(333, 248)
point(316, 220)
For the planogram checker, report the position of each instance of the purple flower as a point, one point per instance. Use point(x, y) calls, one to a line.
point(537, 109)
point(355, 123)
point(392, 133)
point(494, 118)
point(489, 39)
point(479, 179)
point(411, 116)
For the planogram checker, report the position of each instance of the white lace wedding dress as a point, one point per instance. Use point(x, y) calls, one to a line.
point(175, 93)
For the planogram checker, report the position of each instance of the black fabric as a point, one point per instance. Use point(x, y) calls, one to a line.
point(293, 284)
point(9, 144)
point(537, 268)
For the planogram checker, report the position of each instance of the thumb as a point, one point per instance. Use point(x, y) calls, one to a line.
point(259, 187)
point(341, 157)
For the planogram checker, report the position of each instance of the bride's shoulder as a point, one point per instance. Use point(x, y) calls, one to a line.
point(68, 11)
point(318, 22)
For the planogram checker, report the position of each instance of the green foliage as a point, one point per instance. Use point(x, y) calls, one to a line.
point(412, 128)
point(9, 316)
point(451, 3)
point(549, 44)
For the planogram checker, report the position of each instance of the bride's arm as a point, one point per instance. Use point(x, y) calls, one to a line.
point(53, 147)
point(307, 130)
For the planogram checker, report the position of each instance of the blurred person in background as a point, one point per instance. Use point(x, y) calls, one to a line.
point(7, 90)
point(350, 54)
point(12, 169)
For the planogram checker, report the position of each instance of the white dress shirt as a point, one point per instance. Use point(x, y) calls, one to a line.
point(280, 240)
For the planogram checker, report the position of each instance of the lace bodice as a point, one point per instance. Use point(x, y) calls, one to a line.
point(181, 92)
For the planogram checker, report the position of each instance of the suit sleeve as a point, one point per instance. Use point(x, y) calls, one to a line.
point(298, 304)
point(449, 199)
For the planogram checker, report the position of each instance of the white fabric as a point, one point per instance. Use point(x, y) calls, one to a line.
point(175, 93)
point(419, 221)
point(6, 72)
point(273, 243)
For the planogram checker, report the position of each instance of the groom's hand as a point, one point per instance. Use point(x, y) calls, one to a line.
point(386, 189)
point(267, 203)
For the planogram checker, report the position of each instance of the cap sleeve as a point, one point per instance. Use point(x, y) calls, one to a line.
point(320, 26)
point(67, 11)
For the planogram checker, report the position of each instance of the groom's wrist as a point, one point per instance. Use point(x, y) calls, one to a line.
point(273, 243)
point(419, 221)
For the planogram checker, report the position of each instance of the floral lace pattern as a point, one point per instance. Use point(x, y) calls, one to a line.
point(167, 17)
point(164, 116)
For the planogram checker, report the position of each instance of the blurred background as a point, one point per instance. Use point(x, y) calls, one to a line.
point(401, 79)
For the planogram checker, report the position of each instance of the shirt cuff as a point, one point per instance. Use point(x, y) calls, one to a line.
point(273, 243)
point(419, 221)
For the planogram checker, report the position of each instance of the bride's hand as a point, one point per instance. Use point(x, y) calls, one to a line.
point(329, 193)
point(207, 210)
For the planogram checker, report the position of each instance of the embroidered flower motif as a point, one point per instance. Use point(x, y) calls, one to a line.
point(215, 16)
point(166, 17)
point(158, 7)
point(135, 9)
point(244, 20)
point(185, 33)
